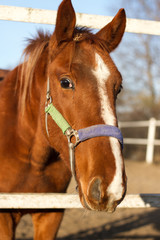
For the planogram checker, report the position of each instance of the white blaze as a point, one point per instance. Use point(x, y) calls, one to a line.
point(102, 73)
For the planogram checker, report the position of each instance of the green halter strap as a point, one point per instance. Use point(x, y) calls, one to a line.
point(54, 113)
point(57, 117)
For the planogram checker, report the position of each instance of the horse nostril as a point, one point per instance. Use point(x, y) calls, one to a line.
point(95, 189)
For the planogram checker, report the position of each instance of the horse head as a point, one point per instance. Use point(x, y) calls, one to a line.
point(83, 86)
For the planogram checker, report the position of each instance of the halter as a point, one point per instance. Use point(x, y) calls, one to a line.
point(79, 135)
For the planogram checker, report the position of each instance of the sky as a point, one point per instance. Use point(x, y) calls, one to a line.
point(14, 34)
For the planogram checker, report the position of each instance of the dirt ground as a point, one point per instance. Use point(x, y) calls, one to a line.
point(124, 224)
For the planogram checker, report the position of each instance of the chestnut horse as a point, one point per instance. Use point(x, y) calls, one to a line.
point(67, 79)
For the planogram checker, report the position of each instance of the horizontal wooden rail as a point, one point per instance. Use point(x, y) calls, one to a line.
point(140, 141)
point(59, 201)
point(137, 124)
point(31, 15)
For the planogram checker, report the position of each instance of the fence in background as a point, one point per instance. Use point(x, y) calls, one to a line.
point(49, 201)
point(150, 142)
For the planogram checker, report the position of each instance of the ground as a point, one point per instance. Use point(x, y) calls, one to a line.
point(124, 224)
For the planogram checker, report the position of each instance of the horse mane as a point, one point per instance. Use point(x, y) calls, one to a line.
point(30, 56)
point(32, 53)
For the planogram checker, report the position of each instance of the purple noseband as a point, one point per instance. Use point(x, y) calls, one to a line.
point(100, 131)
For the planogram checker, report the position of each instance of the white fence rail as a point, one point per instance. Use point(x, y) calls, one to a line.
point(64, 201)
point(150, 142)
point(31, 15)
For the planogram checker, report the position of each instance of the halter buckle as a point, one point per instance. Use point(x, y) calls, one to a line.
point(48, 99)
point(48, 96)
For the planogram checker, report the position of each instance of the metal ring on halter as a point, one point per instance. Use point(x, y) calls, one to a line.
point(70, 133)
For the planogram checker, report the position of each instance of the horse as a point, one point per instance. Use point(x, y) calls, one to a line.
point(58, 119)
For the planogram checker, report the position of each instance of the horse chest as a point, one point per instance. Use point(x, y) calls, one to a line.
point(18, 176)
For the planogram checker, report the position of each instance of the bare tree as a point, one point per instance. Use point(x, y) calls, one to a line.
point(141, 60)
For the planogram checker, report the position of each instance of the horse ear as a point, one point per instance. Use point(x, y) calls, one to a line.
point(65, 23)
point(113, 32)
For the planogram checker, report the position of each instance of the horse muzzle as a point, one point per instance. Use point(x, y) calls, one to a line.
point(98, 199)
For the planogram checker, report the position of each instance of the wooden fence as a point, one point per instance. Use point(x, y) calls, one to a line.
point(61, 201)
point(31, 15)
point(50, 201)
point(150, 142)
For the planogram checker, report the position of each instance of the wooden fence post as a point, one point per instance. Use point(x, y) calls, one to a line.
point(150, 142)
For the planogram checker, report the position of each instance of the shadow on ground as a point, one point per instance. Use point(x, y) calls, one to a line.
point(122, 229)
point(125, 228)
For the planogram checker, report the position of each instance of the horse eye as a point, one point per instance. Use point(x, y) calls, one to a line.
point(66, 83)
point(121, 87)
